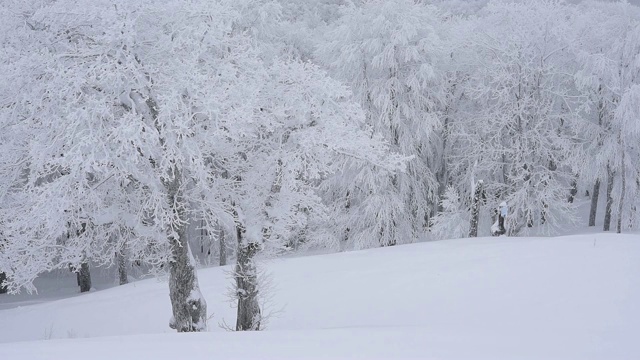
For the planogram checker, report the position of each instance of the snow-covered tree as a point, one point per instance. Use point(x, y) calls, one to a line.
point(386, 51)
point(453, 221)
point(514, 130)
point(306, 129)
point(607, 44)
point(133, 125)
point(106, 143)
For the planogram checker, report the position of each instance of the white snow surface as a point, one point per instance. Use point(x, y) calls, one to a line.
point(572, 297)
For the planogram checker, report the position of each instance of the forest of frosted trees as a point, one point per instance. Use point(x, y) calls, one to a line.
point(165, 135)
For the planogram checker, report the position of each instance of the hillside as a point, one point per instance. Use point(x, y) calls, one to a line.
point(564, 297)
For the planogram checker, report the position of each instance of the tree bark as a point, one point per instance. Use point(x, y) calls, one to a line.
point(122, 268)
point(529, 217)
point(607, 212)
point(501, 224)
point(223, 247)
point(498, 227)
point(3, 277)
point(596, 188)
point(442, 175)
point(594, 203)
point(84, 277)
point(574, 190)
point(347, 206)
point(622, 190)
point(475, 209)
point(249, 314)
point(188, 305)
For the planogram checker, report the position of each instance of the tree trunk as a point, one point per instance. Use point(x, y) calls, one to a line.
point(607, 212)
point(633, 215)
point(594, 203)
point(498, 227)
point(249, 314)
point(347, 206)
point(84, 277)
point(223, 247)
point(543, 213)
point(574, 190)
point(475, 209)
point(503, 230)
point(187, 303)
point(3, 277)
point(442, 175)
point(622, 190)
point(529, 216)
point(122, 268)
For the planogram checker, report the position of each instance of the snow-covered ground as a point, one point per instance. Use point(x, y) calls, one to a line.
point(573, 297)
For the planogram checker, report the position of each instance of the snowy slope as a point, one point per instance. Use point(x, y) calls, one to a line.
point(565, 297)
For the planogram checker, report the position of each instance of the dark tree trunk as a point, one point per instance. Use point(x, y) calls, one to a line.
point(223, 247)
point(501, 224)
point(188, 305)
point(498, 227)
point(574, 190)
point(206, 240)
point(442, 177)
point(392, 228)
point(249, 314)
point(622, 191)
point(634, 209)
point(84, 277)
point(122, 268)
point(529, 218)
point(475, 209)
point(347, 206)
point(594, 203)
point(543, 213)
point(3, 277)
point(391, 242)
point(596, 188)
point(607, 212)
